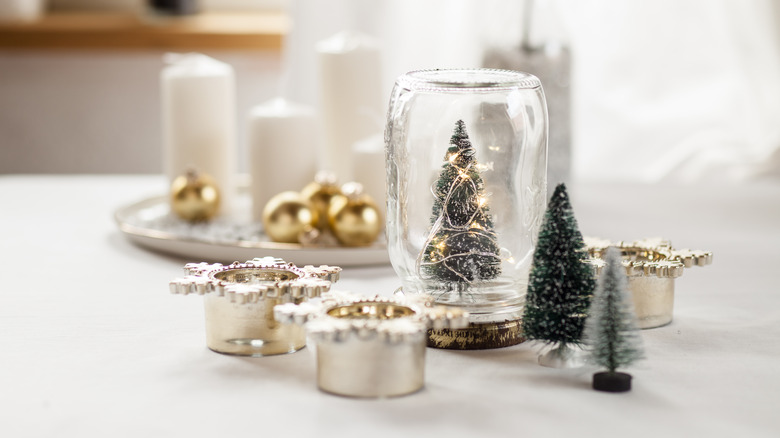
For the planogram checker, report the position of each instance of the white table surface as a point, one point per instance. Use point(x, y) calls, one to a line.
point(92, 343)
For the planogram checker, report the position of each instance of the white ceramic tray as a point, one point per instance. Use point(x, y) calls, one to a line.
point(149, 223)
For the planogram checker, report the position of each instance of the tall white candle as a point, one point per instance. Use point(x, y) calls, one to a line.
point(369, 168)
point(283, 139)
point(198, 109)
point(351, 102)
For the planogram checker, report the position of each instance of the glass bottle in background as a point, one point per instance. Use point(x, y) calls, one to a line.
point(544, 53)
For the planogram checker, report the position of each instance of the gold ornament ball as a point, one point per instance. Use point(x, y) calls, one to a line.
point(354, 219)
point(194, 196)
point(287, 217)
point(319, 193)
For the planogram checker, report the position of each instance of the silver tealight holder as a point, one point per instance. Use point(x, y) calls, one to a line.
point(652, 265)
point(370, 347)
point(239, 301)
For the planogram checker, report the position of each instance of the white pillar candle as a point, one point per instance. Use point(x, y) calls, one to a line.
point(21, 10)
point(370, 170)
point(351, 103)
point(282, 138)
point(198, 109)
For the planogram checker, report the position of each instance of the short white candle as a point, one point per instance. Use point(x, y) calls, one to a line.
point(198, 110)
point(370, 170)
point(351, 102)
point(282, 138)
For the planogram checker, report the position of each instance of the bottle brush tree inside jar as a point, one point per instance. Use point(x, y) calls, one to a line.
point(461, 247)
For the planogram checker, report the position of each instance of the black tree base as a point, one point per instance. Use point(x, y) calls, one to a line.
point(612, 382)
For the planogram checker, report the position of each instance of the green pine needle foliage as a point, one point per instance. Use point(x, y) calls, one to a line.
point(462, 246)
point(561, 283)
point(611, 330)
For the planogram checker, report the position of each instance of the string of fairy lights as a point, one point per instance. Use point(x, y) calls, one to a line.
point(461, 246)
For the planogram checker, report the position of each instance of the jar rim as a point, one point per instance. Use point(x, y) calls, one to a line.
point(473, 79)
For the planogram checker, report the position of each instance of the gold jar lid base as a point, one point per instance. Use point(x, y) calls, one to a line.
point(478, 336)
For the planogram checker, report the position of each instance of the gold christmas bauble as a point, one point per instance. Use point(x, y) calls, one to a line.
point(287, 217)
point(319, 193)
point(354, 217)
point(194, 196)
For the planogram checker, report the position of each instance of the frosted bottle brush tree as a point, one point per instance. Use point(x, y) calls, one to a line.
point(560, 284)
point(611, 329)
point(461, 247)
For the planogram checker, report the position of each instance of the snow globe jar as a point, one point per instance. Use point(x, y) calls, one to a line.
point(466, 158)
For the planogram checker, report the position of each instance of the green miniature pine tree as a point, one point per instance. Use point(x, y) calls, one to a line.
point(560, 284)
point(461, 247)
point(611, 330)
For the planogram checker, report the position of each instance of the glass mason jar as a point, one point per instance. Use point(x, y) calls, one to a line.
point(466, 154)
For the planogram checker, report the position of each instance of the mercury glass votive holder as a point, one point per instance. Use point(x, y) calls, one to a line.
point(239, 301)
point(652, 266)
point(370, 347)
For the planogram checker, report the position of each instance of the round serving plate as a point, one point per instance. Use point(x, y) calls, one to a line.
point(150, 224)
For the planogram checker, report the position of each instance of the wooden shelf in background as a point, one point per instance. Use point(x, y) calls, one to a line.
point(99, 30)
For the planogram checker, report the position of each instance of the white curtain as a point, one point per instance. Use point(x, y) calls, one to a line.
point(662, 90)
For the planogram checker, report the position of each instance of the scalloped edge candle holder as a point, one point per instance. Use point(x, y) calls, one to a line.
point(652, 265)
point(370, 347)
point(239, 301)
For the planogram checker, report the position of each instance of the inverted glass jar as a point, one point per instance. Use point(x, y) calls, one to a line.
point(466, 155)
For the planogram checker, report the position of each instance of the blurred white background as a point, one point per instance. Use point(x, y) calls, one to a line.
point(662, 90)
